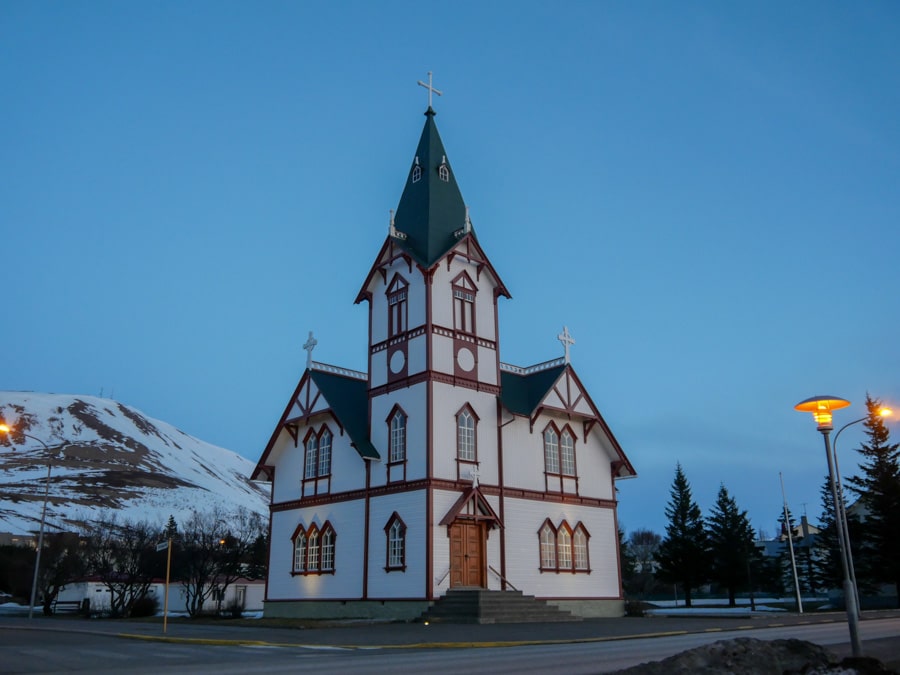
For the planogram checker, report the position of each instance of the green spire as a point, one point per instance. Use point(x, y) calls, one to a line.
point(431, 208)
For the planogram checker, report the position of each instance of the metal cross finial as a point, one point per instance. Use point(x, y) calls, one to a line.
point(567, 340)
point(430, 88)
point(309, 345)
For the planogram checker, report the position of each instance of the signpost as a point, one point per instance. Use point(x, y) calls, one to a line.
point(162, 546)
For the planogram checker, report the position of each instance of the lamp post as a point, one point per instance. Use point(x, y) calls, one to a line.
point(821, 408)
point(37, 559)
point(845, 532)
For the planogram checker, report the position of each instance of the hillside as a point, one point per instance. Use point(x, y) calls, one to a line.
point(109, 457)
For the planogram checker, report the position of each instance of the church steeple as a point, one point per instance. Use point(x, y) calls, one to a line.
point(431, 209)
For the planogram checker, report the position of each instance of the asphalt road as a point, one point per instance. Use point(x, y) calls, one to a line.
point(97, 646)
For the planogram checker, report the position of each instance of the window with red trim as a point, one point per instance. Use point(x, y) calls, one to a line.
point(314, 549)
point(563, 549)
point(397, 300)
point(464, 291)
point(395, 532)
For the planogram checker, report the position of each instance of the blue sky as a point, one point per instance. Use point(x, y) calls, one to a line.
point(706, 194)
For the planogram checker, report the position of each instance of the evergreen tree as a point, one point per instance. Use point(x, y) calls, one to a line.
point(683, 555)
point(732, 551)
point(171, 530)
point(827, 564)
point(879, 489)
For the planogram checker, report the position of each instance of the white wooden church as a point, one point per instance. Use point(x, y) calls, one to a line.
point(441, 467)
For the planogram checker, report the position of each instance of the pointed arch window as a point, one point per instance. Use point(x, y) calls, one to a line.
point(547, 536)
point(312, 455)
point(395, 531)
point(397, 440)
point(465, 435)
point(444, 171)
point(317, 453)
point(580, 549)
point(551, 450)
point(567, 453)
point(417, 173)
point(300, 552)
point(312, 549)
point(564, 546)
point(397, 295)
point(563, 549)
point(325, 452)
point(464, 291)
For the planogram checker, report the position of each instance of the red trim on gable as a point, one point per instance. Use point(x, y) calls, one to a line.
point(487, 513)
point(274, 437)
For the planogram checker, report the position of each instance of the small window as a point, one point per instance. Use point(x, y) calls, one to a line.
point(325, 452)
point(564, 547)
point(312, 550)
point(398, 437)
point(444, 171)
point(567, 453)
point(548, 547)
point(395, 531)
point(465, 436)
point(312, 464)
point(300, 552)
point(551, 450)
point(328, 549)
point(397, 293)
point(417, 173)
point(580, 547)
point(464, 291)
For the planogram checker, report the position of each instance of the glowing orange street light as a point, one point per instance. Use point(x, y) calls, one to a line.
point(821, 408)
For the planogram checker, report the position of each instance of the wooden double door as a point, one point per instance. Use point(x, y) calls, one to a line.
point(468, 560)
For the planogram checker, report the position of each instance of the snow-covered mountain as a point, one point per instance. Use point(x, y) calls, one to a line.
point(108, 457)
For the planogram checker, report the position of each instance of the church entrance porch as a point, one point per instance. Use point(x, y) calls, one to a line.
point(468, 562)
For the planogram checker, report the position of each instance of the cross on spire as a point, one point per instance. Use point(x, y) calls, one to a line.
point(567, 340)
point(430, 89)
point(309, 345)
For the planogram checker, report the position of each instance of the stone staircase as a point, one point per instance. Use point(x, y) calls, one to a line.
point(479, 605)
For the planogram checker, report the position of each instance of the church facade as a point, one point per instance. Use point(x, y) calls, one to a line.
point(440, 467)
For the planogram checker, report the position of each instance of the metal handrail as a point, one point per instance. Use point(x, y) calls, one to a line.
point(502, 578)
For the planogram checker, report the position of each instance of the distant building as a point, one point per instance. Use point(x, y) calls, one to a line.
point(246, 594)
point(440, 467)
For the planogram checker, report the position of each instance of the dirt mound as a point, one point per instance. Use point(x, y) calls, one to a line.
point(747, 656)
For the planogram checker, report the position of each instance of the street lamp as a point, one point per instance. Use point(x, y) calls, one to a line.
point(883, 412)
point(821, 408)
point(4, 428)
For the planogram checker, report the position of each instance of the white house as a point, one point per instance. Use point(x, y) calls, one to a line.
point(244, 593)
point(440, 467)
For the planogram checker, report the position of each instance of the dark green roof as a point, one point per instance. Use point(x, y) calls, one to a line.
point(431, 209)
point(521, 394)
point(348, 398)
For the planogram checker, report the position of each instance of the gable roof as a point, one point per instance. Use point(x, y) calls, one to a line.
point(347, 399)
point(431, 209)
point(526, 393)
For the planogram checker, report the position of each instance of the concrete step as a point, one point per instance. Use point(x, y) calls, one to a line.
point(484, 606)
